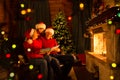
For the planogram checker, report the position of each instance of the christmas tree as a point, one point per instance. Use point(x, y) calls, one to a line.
point(13, 64)
point(62, 33)
point(6, 56)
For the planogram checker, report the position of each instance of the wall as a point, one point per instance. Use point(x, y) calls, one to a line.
point(56, 5)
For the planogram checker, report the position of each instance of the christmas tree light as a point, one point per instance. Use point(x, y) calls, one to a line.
point(61, 29)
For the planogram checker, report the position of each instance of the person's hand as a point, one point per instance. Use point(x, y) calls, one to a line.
point(48, 53)
point(29, 41)
point(56, 48)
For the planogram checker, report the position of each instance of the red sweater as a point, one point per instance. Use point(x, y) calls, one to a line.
point(34, 49)
point(48, 43)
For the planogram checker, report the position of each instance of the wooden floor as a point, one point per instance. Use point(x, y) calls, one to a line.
point(80, 73)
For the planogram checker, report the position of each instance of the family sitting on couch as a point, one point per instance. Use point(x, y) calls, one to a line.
point(43, 51)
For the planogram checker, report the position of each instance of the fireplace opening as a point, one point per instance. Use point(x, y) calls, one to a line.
point(99, 43)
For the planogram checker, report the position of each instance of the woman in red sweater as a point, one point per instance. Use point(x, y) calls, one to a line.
point(32, 48)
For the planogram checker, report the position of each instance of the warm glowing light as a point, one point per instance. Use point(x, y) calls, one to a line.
point(29, 10)
point(23, 12)
point(6, 39)
point(22, 5)
point(111, 77)
point(109, 22)
point(81, 5)
point(40, 76)
point(2, 32)
point(12, 74)
point(118, 14)
point(99, 43)
point(29, 49)
point(69, 18)
point(117, 31)
point(114, 65)
point(8, 55)
point(13, 46)
point(31, 66)
point(18, 62)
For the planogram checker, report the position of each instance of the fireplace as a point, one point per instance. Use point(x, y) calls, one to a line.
point(104, 52)
point(104, 56)
point(99, 43)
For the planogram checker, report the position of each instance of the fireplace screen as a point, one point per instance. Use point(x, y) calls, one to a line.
point(99, 43)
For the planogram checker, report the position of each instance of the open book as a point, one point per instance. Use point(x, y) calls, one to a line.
point(46, 50)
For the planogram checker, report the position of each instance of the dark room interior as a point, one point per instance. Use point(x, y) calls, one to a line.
point(87, 30)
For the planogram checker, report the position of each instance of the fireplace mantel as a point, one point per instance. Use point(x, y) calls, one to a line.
point(100, 57)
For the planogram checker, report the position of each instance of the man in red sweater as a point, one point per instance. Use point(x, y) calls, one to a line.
point(49, 42)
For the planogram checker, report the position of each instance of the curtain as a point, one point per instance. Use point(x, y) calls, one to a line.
point(79, 24)
point(40, 13)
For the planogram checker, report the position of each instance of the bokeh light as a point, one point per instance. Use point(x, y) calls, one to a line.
point(40, 76)
point(29, 10)
point(6, 39)
point(109, 21)
point(13, 46)
point(23, 12)
point(31, 67)
point(81, 5)
point(2, 32)
point(29, 49)
point(111, 77)
point(114, 65)
point(12, 74)
point(22, 5)
point(117, 31)
point(69, 18)
point(8, 55)
point(118, 14)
